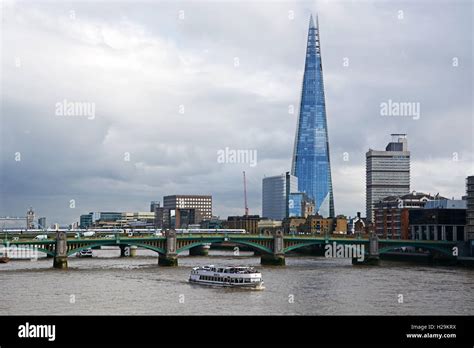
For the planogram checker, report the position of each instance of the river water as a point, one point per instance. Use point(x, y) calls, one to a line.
point(307, 285)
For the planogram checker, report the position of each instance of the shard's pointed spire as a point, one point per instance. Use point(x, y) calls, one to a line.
point(313, 46)
point(318, 43)
point(311, 22)
point(311, 161)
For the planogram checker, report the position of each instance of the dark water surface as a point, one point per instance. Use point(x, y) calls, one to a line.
point(107, 284)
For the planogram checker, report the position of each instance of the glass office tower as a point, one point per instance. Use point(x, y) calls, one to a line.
point(311, 164)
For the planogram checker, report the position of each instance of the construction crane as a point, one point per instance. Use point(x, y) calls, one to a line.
point(245, 196)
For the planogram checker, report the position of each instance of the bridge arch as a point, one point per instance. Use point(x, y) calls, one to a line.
point(196, 244)
point(252, 245)
point(323, 242)
point(445, 251)
point(32, 247)
point(46, 251)
point(114, 243)
point(301, 245)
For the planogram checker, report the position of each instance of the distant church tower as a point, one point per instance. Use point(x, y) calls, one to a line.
point(30, 219)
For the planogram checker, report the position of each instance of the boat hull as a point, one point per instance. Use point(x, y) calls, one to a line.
point(84, 255)
point(254, 285)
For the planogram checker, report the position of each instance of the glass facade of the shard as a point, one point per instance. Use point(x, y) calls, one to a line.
point(311, 164)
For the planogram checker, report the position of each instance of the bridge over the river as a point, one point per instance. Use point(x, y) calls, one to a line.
point(272, 248)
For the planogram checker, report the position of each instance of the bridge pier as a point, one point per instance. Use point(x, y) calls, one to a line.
point(60, 262)
point(171, 256)
point(168, 260)
point(201, 250)
point(372, 258)
point(60, 255)
point(278, 256)
point(368, 261)
point(272, 259)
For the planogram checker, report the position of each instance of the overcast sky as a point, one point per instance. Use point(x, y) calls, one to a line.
point(173, 83)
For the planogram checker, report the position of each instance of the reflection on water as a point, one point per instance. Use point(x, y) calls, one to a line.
point(107, 284)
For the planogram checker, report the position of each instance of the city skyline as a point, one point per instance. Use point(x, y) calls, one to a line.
point(169, 93)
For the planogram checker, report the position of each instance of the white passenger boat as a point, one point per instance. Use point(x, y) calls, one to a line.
point(238, 277)
point(84, 253)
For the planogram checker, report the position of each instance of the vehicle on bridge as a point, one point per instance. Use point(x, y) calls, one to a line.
point(238, 277)
point(41, 237)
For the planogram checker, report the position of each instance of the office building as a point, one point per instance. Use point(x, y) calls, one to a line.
point(311, 161)
point(142, 219)
point(162, 218)
point(85, 221)
point(106, 219)
point(275, 194)
point(247, 222)
point(185, 210)
point(387, 173)
point(447, 224)
point(42, 223)
point(392, 213)
point(214, 222)
point(444, 203)
point(154, 205)
point(470, 210)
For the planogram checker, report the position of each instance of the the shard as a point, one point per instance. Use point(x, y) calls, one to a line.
point(311, 162)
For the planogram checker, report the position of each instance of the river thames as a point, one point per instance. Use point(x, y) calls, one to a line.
point(308, 285)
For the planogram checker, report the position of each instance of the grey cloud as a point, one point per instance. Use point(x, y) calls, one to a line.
point(150, 63)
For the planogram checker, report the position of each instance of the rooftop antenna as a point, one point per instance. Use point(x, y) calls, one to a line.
point(245, 196)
